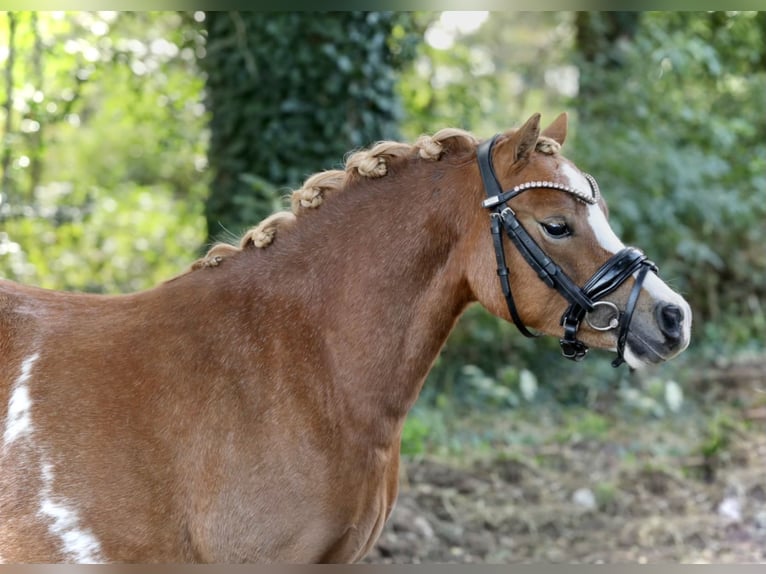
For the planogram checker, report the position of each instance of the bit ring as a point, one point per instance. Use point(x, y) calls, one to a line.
point(614, 322)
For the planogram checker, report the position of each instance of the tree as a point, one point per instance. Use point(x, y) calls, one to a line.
point(600, 39)
point(488, 77)
point(289, 94)
point(103, 156)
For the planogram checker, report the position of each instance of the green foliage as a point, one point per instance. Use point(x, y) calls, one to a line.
point(289, 95)
point(446, 87)
point(107, 249)
point(104, 189)
point(718, 435)
point(489, 79)
point(606, 494)
point(583, 425)
point(414, 434)
point(680, 150)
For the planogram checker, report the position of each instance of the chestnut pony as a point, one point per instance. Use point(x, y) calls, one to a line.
point(251, 408)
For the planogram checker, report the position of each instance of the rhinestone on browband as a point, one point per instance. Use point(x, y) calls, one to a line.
point(589, 198)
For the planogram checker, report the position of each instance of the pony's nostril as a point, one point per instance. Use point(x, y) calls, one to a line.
point(669, 318)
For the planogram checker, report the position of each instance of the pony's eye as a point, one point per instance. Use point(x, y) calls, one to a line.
point(556, 229)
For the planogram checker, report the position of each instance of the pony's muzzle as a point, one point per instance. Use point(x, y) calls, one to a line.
point(670, 318)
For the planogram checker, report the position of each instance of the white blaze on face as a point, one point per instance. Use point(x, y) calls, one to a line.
point(596, 218)
point(19, 420)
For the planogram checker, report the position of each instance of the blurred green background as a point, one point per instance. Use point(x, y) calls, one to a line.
point(130, 141)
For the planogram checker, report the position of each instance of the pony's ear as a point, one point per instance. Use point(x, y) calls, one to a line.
point(557, 131)
point(520, 144)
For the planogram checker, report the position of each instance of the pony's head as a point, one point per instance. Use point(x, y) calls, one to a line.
point(569, 275)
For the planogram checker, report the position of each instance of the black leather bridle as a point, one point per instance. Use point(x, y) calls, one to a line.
point(582, 300)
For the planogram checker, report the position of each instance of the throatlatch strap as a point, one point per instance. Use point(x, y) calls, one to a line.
point(492, 189)
point(502, 272)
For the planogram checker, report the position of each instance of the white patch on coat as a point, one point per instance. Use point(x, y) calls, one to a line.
point(603, 231)
point(19, 420)
point(655, 287)
point(576, 179)
point(77, 544)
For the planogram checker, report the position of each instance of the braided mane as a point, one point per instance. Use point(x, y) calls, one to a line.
point(368, 163)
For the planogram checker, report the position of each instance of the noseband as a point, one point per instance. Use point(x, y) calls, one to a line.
point(582, 300)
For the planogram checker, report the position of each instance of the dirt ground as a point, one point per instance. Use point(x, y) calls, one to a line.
point(609, 498)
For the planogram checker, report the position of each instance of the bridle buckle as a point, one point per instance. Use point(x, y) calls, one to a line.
point(573, 350)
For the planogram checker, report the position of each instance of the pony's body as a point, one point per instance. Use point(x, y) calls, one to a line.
point(251, 410)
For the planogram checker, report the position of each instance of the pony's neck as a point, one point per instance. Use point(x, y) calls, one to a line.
point(378, 272)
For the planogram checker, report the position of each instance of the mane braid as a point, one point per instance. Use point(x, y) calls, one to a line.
point(366, 163)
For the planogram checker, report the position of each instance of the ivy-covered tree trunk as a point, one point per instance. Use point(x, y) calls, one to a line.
point(598, 39)
point(289, 95)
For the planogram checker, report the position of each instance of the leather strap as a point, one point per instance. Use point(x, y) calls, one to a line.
point(502, 272)
point(627, 316)
point(493, 189)
point(607, 279)
point(604, 281)
point(546, 269)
